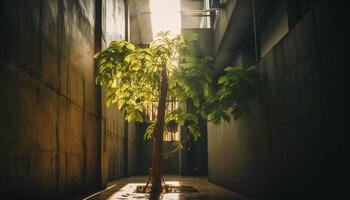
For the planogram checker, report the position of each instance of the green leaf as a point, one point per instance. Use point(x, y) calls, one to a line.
point(223, 79)
point(149, 131)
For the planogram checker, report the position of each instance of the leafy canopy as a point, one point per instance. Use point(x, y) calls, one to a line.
point(132, 78)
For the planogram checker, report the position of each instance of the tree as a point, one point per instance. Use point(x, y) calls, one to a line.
point(169, 70)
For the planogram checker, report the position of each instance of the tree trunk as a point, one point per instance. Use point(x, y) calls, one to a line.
point(157, 156)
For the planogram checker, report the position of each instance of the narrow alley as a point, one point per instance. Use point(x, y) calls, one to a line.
point(174, 99)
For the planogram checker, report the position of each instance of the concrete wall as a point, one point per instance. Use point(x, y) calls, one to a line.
point(187, 19)
point(120, 138)
point(115, 129)
point(50, 123)
point(274, 28)
point(232, 26)
point(292, 143)
point(222, 22)
point(140, 22)
point(134, 149)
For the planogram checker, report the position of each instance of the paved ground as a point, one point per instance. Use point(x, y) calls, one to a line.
point(124, 189)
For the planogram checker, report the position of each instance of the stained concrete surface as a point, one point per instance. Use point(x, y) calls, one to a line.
point(292, 142)
point(124, 189)
point(49, 121)
point(51, 125)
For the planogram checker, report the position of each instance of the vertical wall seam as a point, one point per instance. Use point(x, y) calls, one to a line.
point(99, 145)
point(59, 33)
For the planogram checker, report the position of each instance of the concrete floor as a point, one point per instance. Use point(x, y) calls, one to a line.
point(124, 189)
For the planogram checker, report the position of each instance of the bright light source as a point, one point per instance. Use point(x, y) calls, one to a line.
point(165, 16)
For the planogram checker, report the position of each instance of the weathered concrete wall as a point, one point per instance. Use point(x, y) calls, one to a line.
point(113, 28)
point(222, 22)
point(293, 141)
point(50, 123)
point(275, 27)
point(140, 22)
point(234, 26)
point(121, 150)
point(188, 21)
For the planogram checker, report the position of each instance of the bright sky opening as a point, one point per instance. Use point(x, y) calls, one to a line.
point(165, 16)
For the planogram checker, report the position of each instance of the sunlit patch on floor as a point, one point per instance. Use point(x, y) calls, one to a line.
point(168, 189)
point(127, 192)
point(125, 188)
point(135, 191)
